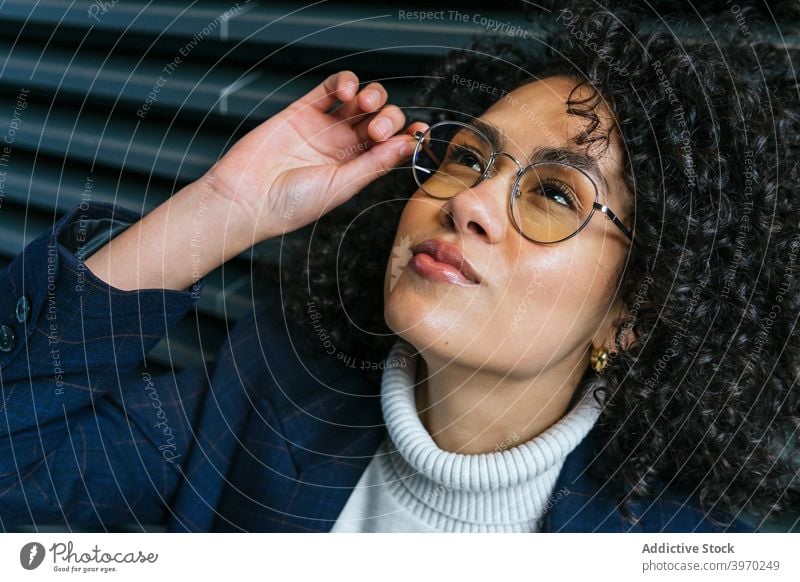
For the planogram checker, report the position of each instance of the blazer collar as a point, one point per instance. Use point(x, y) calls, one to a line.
point(581, 503)
point(331, 439)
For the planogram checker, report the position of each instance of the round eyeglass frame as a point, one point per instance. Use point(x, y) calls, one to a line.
point(596, 206)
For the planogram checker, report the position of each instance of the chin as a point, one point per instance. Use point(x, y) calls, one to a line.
point(406, 312)
point(426, 322)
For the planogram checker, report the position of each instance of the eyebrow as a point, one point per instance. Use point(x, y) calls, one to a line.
point(576, 158)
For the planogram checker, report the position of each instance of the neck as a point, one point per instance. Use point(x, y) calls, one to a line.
point(471, 411)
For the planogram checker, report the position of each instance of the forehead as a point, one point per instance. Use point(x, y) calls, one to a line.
point(535, 116)
point(539, 110)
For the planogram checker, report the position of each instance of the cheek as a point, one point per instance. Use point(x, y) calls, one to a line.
point(558, 288)
point(417, 217)
point(420, 209)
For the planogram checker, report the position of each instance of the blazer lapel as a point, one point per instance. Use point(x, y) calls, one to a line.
point(579, 502)
point(331, 437)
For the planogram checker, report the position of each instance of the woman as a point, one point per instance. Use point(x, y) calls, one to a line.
point(581, 280)
point(702, 349)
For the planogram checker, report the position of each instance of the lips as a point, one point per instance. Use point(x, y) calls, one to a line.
point(449, 254)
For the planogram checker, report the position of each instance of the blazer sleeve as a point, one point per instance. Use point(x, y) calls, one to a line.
point(86, 440)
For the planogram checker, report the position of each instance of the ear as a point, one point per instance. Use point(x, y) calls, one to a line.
point(616, 327)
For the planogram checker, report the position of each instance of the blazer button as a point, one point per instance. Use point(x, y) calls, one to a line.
point(23, 309)
point(7, 338)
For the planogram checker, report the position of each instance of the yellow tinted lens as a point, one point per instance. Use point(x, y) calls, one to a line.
point(451, 158)
point(552, 201)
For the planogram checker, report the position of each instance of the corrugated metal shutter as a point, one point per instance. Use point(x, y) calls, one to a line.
point(90, 66)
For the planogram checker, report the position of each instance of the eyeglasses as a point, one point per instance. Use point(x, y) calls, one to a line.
point(550, 201)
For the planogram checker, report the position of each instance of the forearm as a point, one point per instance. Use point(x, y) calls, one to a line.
point(179, 242)
point(66, 330)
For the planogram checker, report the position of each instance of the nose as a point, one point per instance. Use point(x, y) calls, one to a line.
point(482, 210)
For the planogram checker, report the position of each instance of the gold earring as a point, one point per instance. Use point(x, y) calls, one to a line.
point(599, 359)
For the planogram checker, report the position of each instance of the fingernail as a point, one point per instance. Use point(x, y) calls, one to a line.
point(383, 126)
point(372, 97)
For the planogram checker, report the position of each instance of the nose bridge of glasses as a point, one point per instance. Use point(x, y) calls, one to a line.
point(493, 169)
point(513, 179)
point(520, 167)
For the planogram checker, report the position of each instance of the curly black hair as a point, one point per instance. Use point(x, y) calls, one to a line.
point(706, 397)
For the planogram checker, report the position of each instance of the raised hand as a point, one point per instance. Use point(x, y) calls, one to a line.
point(307, 160)
point(287, 172)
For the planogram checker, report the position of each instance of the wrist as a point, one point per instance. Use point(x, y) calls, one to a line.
point(174, 246)
point(228, 218)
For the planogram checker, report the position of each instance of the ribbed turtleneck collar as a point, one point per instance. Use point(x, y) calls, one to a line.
point(506, 490)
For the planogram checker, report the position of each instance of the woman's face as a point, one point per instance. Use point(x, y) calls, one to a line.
point(535, 307)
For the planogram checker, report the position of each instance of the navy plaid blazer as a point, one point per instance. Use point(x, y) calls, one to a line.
point(266, 439)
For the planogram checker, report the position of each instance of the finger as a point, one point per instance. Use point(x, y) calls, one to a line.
point(382, 125)
point(366, 167)
point(411, 130)
point(340, 86)
point(369, 99)
point(417, 126)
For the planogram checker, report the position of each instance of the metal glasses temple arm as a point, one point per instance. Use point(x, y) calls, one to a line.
point(613, 218)
point(419, 135)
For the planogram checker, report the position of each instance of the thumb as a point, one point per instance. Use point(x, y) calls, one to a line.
point(367, 167)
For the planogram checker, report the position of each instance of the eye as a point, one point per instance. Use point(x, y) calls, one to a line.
point(465, 156)
point(556, 191)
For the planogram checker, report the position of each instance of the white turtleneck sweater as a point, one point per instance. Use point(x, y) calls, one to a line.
point(411, 485)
